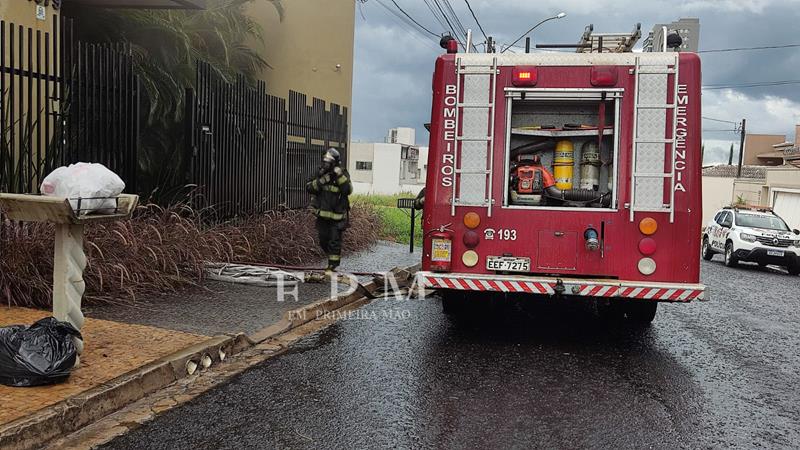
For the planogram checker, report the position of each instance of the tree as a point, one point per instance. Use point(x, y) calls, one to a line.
point(166, 45)
point(730, 156)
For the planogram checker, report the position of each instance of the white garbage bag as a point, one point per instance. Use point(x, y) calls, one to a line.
point(90, 188)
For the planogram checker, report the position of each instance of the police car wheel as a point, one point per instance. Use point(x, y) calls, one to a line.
point(706, 249)
point(730, 258)
point(794, 269)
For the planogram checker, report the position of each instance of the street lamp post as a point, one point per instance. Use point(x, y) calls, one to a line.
point(560, 15)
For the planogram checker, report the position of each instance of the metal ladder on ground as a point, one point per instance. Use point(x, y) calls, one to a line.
point(474, 73)
point(645, 126)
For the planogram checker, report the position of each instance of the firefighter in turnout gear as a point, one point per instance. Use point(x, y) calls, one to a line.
point(331, 205)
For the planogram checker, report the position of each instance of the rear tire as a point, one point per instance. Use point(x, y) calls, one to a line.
point(632, 313)
point(641, 313)
point(730, 258)
point(706, 249)
point(794, 269)
point(454, 303)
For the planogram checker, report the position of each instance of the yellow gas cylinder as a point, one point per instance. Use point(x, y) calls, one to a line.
point(563, 164)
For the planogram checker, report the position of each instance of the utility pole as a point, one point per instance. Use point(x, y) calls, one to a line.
point(741, 149)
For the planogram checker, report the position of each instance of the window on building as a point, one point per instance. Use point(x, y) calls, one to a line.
point(363, 165)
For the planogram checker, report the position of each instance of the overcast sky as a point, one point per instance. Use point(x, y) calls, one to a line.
point(393, 64)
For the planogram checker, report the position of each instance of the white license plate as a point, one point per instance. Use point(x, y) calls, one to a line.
point(775, 253)
point(508, 264)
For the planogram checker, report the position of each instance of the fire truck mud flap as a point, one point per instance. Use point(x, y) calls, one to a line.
point(634, 290)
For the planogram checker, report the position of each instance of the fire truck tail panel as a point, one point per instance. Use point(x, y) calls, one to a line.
point(579, 166)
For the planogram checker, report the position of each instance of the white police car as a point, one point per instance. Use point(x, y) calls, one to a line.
point(759, 236)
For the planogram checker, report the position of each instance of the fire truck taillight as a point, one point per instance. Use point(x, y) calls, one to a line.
point(647, 246)
point(647, 266)
point(648, 226)
point(472, 220)
point(471, 239)
point(525, 76)
point(470, 258)
point(603, 76)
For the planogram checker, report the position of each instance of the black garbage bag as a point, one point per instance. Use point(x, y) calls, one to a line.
point(43, 353)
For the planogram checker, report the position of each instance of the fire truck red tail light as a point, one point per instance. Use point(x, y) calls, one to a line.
point(471, 239)
point(525, 76)
point(603, 76)
point(647, 246)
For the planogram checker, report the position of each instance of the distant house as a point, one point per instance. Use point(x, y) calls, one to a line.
point(394, 166)
point(767, 149)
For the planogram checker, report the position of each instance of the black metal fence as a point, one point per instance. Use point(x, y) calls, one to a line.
point(102, 109)
point(249, 151)
point(312, 130)
point(237, 139)
point(30, 95)
point(62, 102)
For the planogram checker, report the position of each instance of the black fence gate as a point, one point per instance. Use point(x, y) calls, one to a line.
point(250, 151)
point(236, 139)
point(62, 102)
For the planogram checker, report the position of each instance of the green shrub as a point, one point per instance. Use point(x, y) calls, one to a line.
point(395, 222)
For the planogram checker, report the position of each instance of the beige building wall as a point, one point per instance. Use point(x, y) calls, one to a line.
point(785, 176)
point(747, 190)
point(717, 192)
point(23, 12)
point(310, 50)
point(757, 144)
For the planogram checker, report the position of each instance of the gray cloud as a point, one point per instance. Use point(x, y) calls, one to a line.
point(394, 65)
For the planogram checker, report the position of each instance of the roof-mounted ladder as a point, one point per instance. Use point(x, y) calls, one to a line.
point(592, 42)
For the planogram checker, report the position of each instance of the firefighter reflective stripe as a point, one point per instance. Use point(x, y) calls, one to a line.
point(673, 293)
point(334, 258)
point(330, 188)
point(314, 185)
point(328, 214)
point(342, 180)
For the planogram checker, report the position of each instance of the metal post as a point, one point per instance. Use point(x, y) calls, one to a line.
point(741, 149)
point(413, 219)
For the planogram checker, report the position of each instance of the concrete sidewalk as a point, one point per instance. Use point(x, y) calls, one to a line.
point(112, 349)
point(225, 308)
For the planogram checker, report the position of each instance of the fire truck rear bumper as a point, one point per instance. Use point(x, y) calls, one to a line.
point(662, 292)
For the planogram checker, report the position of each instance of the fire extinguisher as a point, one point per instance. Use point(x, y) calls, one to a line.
point(441, 241)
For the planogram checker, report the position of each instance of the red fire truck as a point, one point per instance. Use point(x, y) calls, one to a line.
point(565, 175)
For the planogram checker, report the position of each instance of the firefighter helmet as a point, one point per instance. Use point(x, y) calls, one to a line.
point(332, 156)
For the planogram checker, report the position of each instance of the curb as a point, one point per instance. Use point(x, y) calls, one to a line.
point(78, 411)
point(72, 414)
point(301, 316)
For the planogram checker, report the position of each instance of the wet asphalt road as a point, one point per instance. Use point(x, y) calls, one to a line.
point(723, 373)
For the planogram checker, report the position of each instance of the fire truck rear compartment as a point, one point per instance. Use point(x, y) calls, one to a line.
point(560, 152)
